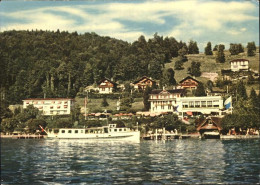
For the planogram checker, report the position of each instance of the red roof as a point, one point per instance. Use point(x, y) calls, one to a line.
point(238, 60)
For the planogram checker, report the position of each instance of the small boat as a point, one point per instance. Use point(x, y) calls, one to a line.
point(211, 135)
point(110, 132)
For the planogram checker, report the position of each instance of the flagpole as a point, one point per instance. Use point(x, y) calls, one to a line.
point(231, 105)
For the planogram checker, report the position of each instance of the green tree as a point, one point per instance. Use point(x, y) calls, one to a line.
point(168, 78)
point(126, 103)
point(208, 50)
point(33, 124)
point(8, 125)
point(251, 49)
point(220, 55)
point(200, 91)
point(241, 91)
point(178, 65)
point(104, 102)
point(235, 49)
point(146, 97)
point(209, 85)
point(194, 69)
point(193, 48)
point(253, 100)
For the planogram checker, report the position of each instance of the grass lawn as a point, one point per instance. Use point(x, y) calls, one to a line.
point(95, 104)
point(208, 64)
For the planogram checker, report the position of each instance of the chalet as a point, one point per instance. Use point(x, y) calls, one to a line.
point(143, 82)
point(210, 127)
point(239, 65)
point(189, 83)
point(164, 100)
point(215, 91)
point(51, 106)
point(106, 86)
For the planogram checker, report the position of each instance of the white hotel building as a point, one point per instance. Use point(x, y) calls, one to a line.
point(173, 101)
point(51, 106)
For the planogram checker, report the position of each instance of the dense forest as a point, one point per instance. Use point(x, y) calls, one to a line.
point(58, 64)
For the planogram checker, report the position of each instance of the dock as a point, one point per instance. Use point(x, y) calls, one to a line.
point(163, 135)
point(24, 136)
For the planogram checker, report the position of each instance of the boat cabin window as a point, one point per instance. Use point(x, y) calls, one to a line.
point(63, 131)
point(124, 129)
point(69, 131)
point(82, 131)
point(76, 131)
point(86, 131)
point(56, 131)
point(115, 130)
point(106, 130)
point(120, 130)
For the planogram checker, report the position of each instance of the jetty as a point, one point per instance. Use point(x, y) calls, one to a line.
point(24, 136)
point(162, 134)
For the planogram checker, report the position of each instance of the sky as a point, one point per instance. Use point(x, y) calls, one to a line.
point(218, 21)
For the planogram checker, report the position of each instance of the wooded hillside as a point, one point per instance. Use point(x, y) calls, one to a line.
point(58, 64)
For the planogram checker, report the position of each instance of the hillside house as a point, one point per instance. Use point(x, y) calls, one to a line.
point(143, 82)
point(215, 91)
point(51, 106)
point(106, 86)
point(164, 100)
point(239, 65)
point(189, 83)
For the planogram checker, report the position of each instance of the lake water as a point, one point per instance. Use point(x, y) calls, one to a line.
point(190, 161)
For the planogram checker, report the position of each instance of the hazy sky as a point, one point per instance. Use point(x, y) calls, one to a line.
point(221, 21)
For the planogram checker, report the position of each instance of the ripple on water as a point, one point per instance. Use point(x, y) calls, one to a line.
point(148, 162)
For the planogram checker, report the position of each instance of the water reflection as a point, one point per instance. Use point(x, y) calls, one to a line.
point(115, 162)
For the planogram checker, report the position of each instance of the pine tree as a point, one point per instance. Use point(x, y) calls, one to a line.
point(220, 55)
point(254, 100)
point(200, 91)
point(208, 50)
point(104, 102)
point(146, 95)
point(168, 78)
point(251, 49)
point(193, 48)
point(241, 91)
point(194, 70)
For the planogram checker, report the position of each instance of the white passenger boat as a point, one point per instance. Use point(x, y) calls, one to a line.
point(110, 132)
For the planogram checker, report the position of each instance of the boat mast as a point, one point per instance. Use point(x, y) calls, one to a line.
point(85, 108)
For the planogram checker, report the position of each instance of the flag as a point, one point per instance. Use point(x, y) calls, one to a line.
point(228, 102)
point(176, 108)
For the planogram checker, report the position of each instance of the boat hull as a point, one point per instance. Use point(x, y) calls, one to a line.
point(133, 136)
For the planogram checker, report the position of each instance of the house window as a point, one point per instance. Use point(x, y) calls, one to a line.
point(185, 104)
point(51, 107)
point(203, 104)
point(197, 103)
point(209, 103)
